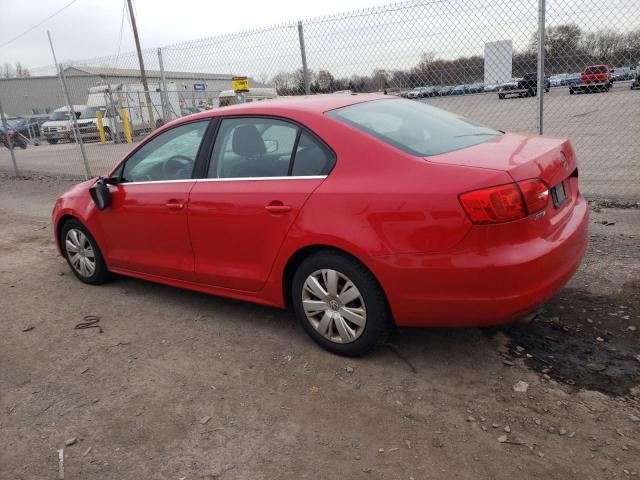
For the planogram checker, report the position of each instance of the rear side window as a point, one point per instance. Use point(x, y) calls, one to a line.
point(598, 69)
point(256, 147)
point(414, 127)
point(311, 158)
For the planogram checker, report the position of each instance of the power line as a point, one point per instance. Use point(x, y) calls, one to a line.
point(38, 24)
point(115, 63)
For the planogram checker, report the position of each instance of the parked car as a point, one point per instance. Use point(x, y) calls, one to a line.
point(17, 141)
point(527, 86)
point(593, 78)
point(492, 87)
point(571, 79)
point(635, 85)
point(29, 128)
point(446, 90)
point(622, 73)
point(421, 92)
point(509, 85)
point(556, 80)
point(529, 82)
point(294, 202)
point(475, 88)
point(59, 126)
point(459, 90)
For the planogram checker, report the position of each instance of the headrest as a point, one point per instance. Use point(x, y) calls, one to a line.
point(247, 141)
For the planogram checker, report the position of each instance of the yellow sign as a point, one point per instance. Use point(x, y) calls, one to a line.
point(240, 84)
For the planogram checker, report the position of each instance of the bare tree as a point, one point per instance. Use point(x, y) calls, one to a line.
point(7, 70)
point(21, 71)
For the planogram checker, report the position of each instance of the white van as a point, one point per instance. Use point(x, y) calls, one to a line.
point(59, 126)
point(229, 97)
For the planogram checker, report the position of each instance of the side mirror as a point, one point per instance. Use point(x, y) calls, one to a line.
point(111, 180)
point(271, 145)
point(100, 194)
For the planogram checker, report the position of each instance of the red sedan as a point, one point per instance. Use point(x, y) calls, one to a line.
point(359, 211)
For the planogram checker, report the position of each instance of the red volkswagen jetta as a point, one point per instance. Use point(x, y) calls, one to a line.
point(358, 211)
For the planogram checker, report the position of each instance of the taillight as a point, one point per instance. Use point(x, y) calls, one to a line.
point(494, 205)
point(505, 202)
point(535, 193)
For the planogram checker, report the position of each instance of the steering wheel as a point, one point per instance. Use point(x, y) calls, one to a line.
point(173, 165)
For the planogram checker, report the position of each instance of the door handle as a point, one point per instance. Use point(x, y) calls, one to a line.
point(173, 205)
point(277, 208)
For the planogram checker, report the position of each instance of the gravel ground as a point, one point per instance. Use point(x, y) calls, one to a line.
point(182, 385)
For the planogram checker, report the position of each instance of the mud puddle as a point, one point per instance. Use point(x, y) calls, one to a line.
point(592, 342)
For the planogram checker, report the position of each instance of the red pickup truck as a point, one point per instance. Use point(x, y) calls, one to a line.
point(592, 78)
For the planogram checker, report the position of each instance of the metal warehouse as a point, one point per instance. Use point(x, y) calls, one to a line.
point(43, 94)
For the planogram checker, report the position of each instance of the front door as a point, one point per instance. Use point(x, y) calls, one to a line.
point(261, 172)
point(146, 226)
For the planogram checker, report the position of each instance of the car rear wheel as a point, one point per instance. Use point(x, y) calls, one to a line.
point(340, 304)
point(82, 254)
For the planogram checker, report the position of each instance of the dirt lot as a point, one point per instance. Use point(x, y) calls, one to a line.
point(182, 385)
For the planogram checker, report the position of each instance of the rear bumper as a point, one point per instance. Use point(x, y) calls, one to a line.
point(487, 280)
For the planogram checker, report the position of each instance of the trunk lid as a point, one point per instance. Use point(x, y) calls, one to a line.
point(521, 156)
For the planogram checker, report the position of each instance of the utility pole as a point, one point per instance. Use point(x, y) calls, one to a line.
point(143, 74)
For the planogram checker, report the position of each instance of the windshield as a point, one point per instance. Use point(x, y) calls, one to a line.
point(90, 112)
point(15, 122)
point(60, 116)
point(415, 128)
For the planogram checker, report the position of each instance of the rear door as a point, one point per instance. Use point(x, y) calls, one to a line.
point(261, 172)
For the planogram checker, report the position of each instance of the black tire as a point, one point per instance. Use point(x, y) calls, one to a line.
point(100, 274)
point(52, 141)
point(379, 321)
point(500, 96)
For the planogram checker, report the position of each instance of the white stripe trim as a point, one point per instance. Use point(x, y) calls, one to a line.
point(157, 181)
point(234, 179)
point(252, 179)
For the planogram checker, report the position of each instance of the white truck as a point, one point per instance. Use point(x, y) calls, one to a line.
point(59, 126)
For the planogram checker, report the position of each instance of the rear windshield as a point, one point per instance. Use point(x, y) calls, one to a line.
point(598, 69)
point(414, 127)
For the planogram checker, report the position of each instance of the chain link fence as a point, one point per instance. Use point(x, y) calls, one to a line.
point(478, 58)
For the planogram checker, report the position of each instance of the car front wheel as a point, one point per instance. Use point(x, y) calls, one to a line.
point(340, 304)
point(82, 254)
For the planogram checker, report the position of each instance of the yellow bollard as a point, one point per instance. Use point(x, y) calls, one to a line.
point(100, 127)
point(127, 126)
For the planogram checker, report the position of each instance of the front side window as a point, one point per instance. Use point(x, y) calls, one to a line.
point(414, 127)
point(169, 156)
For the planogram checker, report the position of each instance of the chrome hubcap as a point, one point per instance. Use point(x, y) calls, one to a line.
point(80, 253)
point(334, 306)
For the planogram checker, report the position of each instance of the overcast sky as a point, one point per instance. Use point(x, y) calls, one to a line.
point(90, 28)
point(392, 37)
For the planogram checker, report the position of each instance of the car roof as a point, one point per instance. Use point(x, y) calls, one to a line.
point(309, 103)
